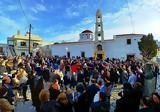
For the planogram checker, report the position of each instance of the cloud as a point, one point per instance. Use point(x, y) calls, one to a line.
point(145, 19)
point(70, 12)
point(8, 27)
point(141, 17)
point(76, 9)
point(34, 10)
point(88, 20)
point(32, 17)
point(68, 37)
point(38, 7)
point(73, 32)
point(8, 22)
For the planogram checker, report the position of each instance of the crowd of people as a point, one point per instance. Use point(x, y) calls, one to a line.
point(61, 84)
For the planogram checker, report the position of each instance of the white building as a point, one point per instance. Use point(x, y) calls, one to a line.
point(19, 44)
point(121, 46)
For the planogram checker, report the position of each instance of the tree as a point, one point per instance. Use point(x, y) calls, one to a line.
point(148, 46)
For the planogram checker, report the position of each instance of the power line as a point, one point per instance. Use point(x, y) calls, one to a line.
point(20, 4)
point(131, 18)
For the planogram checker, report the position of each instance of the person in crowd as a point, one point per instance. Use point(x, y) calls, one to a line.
point(5, 105)
point(79, 98)
point(132, 78)
point(113, 76)
point(106, 89)
point(42, 82)
point(73, 81)
point(140, 75)
point(2, 66)
point(101, 105)
point(124, 104)
point(54, 90)
point(156, 102)
point(136, 96)
point(46, 104)
point(31, 82)
point(124, 75)
point(100, 85)
point(9, 65)
point(23, 78)
point(80, 76)
point(67, 78)
point(146, 105)
point(6, 83)
point(91, 91)
point(69, 93)
point(65, 105)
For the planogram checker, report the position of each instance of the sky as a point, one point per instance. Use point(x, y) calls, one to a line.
point(64, 20)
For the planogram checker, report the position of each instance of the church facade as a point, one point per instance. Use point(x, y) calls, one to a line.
point(93, 44)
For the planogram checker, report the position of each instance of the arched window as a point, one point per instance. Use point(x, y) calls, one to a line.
point(98, 19)
point(99, 27)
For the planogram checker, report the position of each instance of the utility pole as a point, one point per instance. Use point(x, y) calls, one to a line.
point(30, 27)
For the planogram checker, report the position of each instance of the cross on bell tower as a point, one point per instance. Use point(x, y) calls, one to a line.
point(99, 35)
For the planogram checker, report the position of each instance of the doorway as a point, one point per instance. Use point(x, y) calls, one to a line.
point(83, 54)
point(68, 54)
point(130, 56)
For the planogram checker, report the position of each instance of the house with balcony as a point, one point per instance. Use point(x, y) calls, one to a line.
point(19, 44)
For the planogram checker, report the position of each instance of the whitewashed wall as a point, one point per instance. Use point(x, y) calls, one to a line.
point(74, 49)
point(118, 48)
point(115, 48)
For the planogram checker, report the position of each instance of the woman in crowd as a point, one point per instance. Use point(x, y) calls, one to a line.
point(5, 106)
point(65, 105)
point(46, 104)
point(23, 78)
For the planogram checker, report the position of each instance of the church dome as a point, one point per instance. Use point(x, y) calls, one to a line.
point(87, 31)
point(86, 35)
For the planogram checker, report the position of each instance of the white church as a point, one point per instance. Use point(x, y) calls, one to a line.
point(93, 44)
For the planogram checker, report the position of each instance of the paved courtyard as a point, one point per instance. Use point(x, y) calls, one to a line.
point(27, 106)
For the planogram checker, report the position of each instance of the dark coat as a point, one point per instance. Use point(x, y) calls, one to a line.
point(146, 110)
point(124, 104)
point(91, 92)
point(38, 87)
point(100, 107)
point(65, 108)
point(50, 106)
point(53, 93)
point(82, 105)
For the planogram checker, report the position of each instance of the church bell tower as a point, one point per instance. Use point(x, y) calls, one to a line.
point(99, 37)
